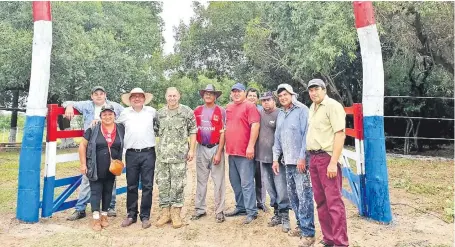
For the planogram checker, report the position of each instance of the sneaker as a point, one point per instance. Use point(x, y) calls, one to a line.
point(220, 217)
point(249, 219)
point(306, 241)
point(324, 244)
point(295, 232)
point(197, 216)
point(111, 213)
point(77, 215)
point(146, 224)
point(236, 212)
point(127, 222)
point(274, 221)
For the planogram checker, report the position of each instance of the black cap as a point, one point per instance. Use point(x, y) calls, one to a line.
point(96, 88)
point(107, 107)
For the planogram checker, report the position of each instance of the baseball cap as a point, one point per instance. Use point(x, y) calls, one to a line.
point(266, 95)
point(286, 87)
point(96, 88)
point(107, 107)
point(316, 83)
point(238, 86)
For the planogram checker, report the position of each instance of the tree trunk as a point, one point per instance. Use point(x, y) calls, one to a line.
point(416, 133)
point(13, 125)
point(409, 127)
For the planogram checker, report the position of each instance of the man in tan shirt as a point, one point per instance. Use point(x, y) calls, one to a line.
point(325, 141)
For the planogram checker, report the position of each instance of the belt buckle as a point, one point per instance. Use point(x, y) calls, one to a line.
point(137, 150)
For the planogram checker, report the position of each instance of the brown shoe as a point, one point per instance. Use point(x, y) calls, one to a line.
point(127, 222)
point(306, 241)
point(175, 216)
point(96, 225)
point(165, 217)
point(146, 224)
point(295, 232)
point(104, 222)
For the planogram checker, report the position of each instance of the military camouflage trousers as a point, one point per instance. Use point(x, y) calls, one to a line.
point(171, 181)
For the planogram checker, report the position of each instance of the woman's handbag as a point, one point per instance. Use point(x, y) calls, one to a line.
point(116, 166)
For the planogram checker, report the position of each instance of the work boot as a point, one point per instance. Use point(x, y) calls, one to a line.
point(276, 219)
point(96, 225)
point(175, 216)
point(285, 224)
point(76, 215)
point(306, 241)
point(104, 222)
point(165, 217)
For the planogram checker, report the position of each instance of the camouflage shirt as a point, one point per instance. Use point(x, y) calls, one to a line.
point(174, 128)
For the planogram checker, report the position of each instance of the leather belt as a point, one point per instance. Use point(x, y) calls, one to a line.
point(209, 145)
point(320, 151)
point(139, 150)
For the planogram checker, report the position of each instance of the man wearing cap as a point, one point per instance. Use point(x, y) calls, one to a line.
point(276, 184)
point(139, 120)
point(90, 110)
point(242, 129)
point(176, 124)
point(210, 121)
point(290, 140)
point(252, 95)
point(325, 141)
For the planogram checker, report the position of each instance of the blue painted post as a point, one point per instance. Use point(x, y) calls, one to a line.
point(28, 193)
point(376, 176)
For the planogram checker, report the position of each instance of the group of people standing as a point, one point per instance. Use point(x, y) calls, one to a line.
point(292, 152)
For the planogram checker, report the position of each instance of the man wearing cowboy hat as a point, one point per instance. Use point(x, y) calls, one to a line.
point(90, 110)
point(176, 124)
point(139, 142)
point(210, 121)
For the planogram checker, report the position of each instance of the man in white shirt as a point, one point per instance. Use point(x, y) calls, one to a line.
point(139, 142)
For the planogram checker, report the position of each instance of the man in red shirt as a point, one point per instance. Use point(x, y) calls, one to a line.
point(242, 130)
point(210, 121)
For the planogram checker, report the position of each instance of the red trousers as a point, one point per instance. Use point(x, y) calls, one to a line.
point(330, 206)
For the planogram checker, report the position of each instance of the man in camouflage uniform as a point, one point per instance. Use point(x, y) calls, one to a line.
point(176, 123)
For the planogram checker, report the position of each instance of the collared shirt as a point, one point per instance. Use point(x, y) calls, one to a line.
point(88, 110)
point(175, 126)
point(324, 122)
point(139, 127)
point(290, 134)
point(266, 136)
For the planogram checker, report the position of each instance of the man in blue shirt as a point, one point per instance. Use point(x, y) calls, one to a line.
point(290, 140)
point(90, 110)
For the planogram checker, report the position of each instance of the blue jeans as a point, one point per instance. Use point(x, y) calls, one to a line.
point(276, 186)
point(300, 195)
point(84, 195)
point(241, 176)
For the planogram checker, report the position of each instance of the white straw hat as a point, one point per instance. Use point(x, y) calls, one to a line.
point(126, 96)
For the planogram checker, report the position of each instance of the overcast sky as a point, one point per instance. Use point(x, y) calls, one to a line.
point(173, 12)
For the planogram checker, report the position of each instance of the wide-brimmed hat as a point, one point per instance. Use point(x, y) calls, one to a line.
point(210, 88)
point(126, 96)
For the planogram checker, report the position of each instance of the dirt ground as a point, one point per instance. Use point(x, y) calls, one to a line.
point(410, 227)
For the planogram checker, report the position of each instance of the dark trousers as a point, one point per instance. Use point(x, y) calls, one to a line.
point(259, 185)
point(139, 164)
point(327, 194)
point(101, 191)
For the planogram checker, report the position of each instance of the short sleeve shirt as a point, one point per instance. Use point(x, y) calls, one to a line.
point(266, 137)
point(239, 118)
point(324, 122)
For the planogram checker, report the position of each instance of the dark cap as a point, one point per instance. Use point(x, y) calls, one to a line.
point(316, 83)
point(266, 95)
point(238, 86)
point(96, 88)
point(107, 107)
